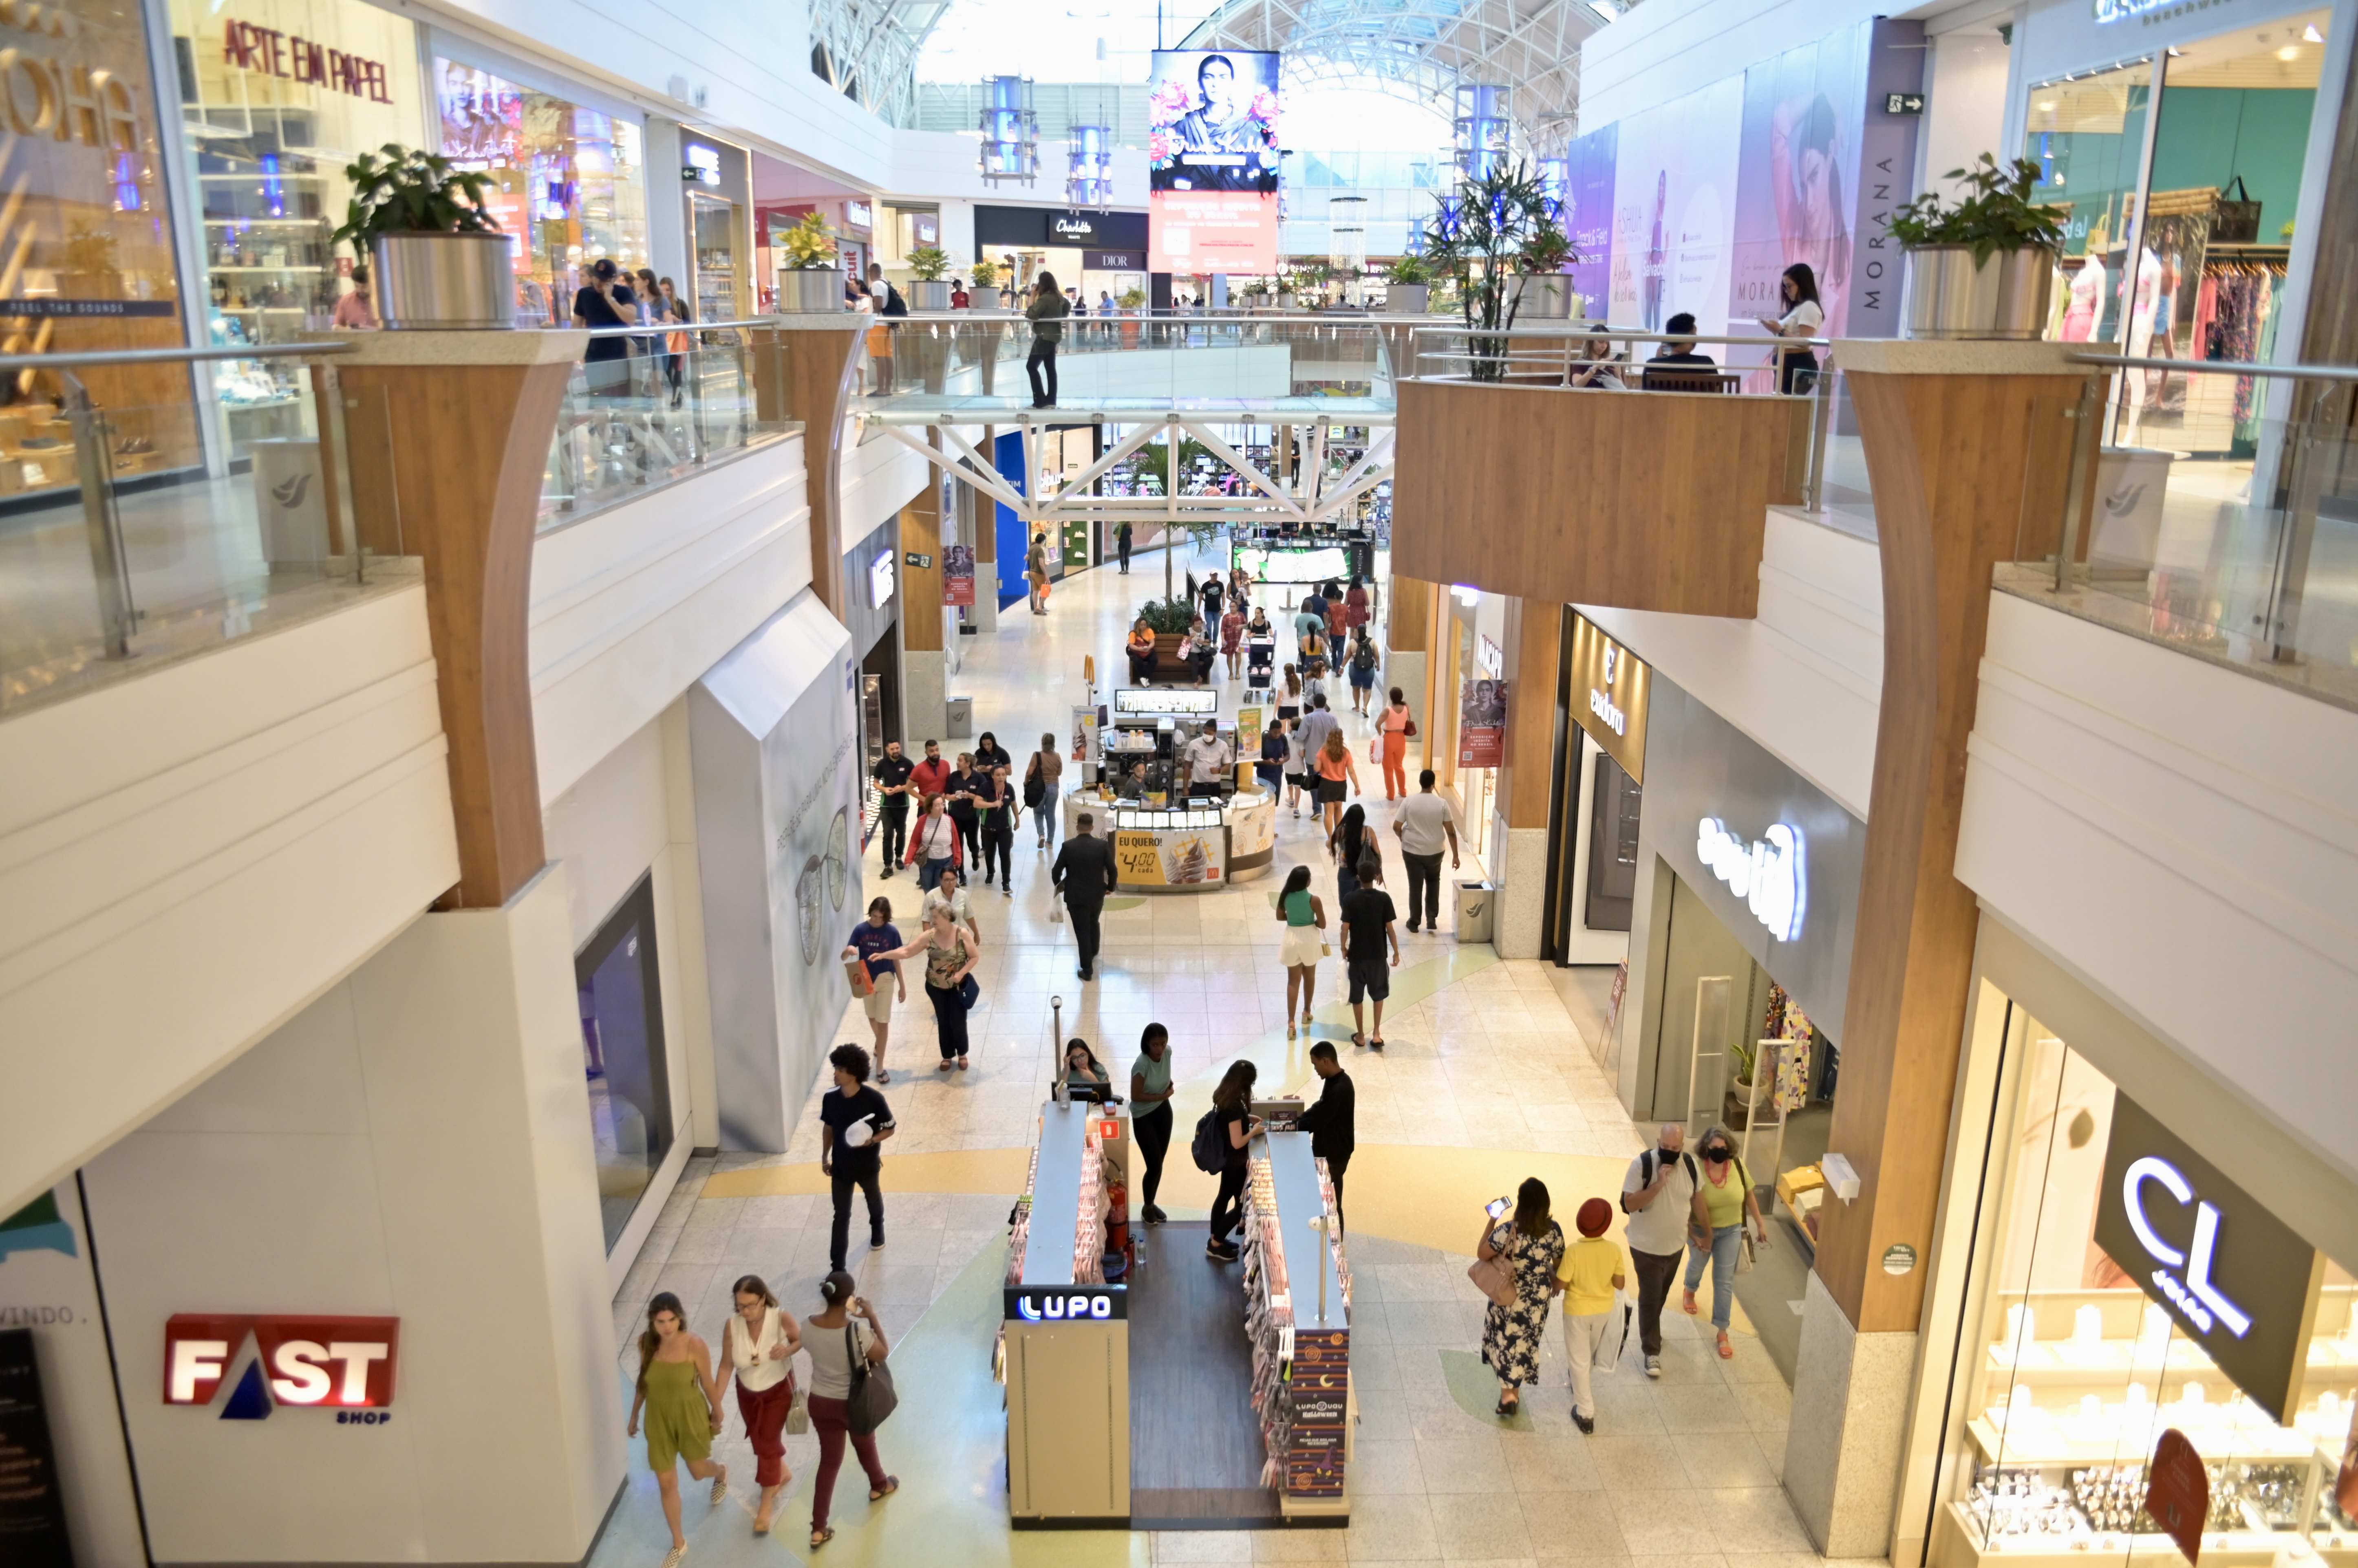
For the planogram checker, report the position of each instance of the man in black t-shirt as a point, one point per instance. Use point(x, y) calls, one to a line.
point(1367, 927)
point(853, 1119)
point(606, 301)
point(892, 776)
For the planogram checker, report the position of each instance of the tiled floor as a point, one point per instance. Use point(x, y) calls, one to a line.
point(1486, 1078)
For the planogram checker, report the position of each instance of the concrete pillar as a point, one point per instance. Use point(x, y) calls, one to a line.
point(1949, 431)
point(924, 666)
point(415, 1144)
point(1517, 857)
point(979, 515)
point(1408, 643)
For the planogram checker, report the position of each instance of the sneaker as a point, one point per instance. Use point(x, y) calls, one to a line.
point(1220, 1252)
point(876, 1241)
point(1588, 1424)
point(1653, 1367)
point(1152, 1215)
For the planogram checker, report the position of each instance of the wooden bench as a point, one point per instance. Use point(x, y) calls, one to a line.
point(1169, 669)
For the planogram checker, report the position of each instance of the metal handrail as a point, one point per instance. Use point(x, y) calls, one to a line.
point(1605, 329)
point(656, 327)
point(2222, 367)
point(9, 363)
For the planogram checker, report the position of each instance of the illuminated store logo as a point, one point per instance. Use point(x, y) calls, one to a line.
point(2122, 10)
point(266, 49)
point(1770, 876)
point(344, 1363)
point(2194, 1295)
point(1074, 227)
point(703, 165)
point(1600, 704)
point(1076, 1307)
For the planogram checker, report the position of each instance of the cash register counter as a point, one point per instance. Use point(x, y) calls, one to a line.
point(1189, 846)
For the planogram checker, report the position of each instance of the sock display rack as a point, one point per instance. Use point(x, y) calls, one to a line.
point(1297, 1288)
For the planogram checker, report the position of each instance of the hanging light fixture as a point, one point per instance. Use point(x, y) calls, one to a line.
point(1011, 130)
point(1485, 126)
point(1088, 182)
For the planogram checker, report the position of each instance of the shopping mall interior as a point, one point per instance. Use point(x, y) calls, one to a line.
point(1673, 684)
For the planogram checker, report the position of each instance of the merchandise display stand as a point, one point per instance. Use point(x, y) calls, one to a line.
point(1297, 1316)
point(1065, 1338)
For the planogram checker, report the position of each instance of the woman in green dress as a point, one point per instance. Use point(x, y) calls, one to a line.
point(683, 1409)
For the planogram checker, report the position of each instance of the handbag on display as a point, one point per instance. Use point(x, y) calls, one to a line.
point(1495, 1277)
point(872, 1396)
point(1616, 1338)
point(2236, 222)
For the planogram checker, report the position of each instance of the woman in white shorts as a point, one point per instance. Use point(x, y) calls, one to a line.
point(1303, 944)
point(874, 935)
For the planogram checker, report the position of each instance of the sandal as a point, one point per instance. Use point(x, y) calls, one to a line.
point(821, 1537)
point(1288, 1029)
point(1506, 1408)
point(882, 1076)
point(1687, 1305)
point(1726, 1351)
point(892, 1485)
point(1357, 1039)
point(961, 1064)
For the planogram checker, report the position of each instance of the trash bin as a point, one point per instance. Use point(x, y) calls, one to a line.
point(1474, 905)
point(961, 718)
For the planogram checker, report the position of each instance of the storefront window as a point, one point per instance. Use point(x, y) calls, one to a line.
point(2087, 135)
point(2072, 1368)
point(277, 96)
point(570, 182)
point(622, 1052)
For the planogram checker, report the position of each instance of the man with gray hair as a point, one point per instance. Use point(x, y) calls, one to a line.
point(1662, 1196)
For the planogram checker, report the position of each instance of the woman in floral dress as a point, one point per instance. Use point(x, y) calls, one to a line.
point(1512, 1335)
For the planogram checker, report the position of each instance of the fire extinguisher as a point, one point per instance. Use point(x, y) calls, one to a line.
point(1118, 1221)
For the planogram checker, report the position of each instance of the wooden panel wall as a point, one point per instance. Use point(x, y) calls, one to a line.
point(818, 369)
point(1410, 625)
point(1950, 457)
point(1534, 638)
point(1645, 500)
point(921, 586)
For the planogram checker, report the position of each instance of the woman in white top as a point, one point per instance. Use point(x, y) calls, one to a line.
point(757, 1348)
point(1798, 368)
point(846, 1321)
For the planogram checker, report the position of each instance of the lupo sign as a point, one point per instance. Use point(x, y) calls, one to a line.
point(2234, 1278)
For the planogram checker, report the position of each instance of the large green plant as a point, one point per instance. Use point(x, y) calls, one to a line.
point(1489, 238)
point(1994, 214)
point(930, 262)
point(412, 192)
point(1409, 270)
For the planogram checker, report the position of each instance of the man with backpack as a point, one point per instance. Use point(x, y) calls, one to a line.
point(1662, 1197)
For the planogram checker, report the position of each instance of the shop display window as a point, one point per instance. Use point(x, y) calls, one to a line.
point(569, 182)
point(2068, 1372)
point(622, 1052)
point(277, 96)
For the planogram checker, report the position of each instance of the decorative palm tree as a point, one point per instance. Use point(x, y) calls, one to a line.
point(1490, 237)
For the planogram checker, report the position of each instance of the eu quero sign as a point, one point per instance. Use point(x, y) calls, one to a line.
point(2235, 1279)
point(345, 1364)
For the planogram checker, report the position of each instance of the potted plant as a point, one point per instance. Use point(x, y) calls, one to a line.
point(1411, 285)
point(985, 273)
point(1546, 287)
point(1954, 288)
point(439, 258)
point(1488, 240)
point(810, 283)
point(1736, 1106)
point(1133, 303)
point(929, 292)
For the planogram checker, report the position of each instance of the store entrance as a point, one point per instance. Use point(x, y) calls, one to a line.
point(1736, 1052)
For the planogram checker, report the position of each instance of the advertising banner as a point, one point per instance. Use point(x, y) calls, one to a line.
point(958, 575)
point(1588, 214)
point(1212, 153)
point(1169, 858)
point(1481, 723)
point(1798, 180)
point(1673, 210)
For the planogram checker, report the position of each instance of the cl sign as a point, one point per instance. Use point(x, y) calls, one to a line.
point(2190, 1289)
point(1772, 876)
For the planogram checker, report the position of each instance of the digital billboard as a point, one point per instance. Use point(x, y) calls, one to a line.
point(1212, 148)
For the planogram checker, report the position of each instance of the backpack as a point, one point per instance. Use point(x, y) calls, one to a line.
point(1210, 1146)
point(1645, 1173)
point(893, 304)
point(1364, 656)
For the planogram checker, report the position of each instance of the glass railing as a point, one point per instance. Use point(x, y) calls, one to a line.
point(972, 365)
point(130, 535)
point(670, 404)
point(2211, 506)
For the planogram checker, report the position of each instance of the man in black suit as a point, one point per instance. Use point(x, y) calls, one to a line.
point(1084, 873)
point(1330, 1123)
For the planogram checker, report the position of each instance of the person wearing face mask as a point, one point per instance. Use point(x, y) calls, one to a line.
point(1726, 1198)
point(1662, 1195)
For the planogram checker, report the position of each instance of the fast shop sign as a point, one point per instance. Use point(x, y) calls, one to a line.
point(342, 1363)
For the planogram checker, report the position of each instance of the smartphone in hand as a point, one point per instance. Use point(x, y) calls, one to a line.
point(1497, 1208)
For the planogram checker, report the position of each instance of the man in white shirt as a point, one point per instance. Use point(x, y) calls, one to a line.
point(1208, 763)
point(949, 892)
point(1661, 1194)
point(1424, 828)
point(1317, 725)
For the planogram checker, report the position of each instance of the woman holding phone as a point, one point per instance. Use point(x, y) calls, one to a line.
point(1532, 1245)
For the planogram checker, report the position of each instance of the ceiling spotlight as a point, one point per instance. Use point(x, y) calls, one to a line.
point(2177, 53)
point(2312, 35)
point(2290, 52)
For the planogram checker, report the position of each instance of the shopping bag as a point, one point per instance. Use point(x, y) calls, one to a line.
point(1375, 748)
point(1610, 1344)
point(2237, 221)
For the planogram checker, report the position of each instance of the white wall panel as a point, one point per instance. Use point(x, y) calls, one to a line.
point(1663, 49)
point(2182, 840)
point(880, 477)
point(631, 605)
point(1805, 679)
point(190, 858)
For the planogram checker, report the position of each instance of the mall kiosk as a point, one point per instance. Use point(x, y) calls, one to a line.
point(1298, 1320)
point(1163, 841)
point(1065, 1341)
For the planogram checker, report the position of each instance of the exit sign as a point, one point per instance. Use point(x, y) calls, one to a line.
point(1903, 104)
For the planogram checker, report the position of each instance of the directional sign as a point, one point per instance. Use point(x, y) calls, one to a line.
point(921, 562)
point(1903, 104)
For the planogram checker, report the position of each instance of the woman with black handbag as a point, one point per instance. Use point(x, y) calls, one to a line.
point(851, 1393)
point(1040, 777)
point(950, 955)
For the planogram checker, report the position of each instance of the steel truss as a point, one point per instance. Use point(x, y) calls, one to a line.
point(1304, 497)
